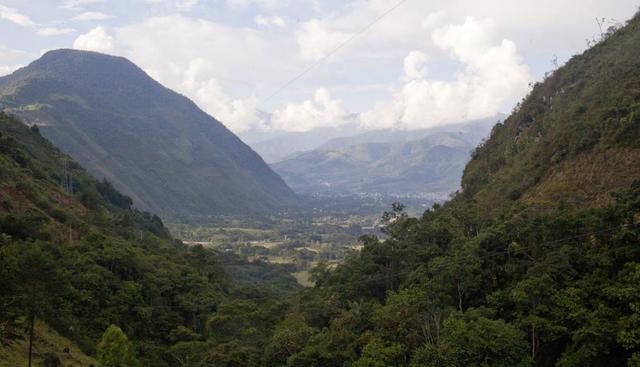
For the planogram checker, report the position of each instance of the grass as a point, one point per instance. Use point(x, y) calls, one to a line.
point(46, 340)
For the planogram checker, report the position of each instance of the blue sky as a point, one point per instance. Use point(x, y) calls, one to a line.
point(425, 63)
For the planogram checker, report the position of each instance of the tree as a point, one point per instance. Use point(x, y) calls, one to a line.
point(189, 354)
point(380, 354)
point(289, 338)
point(115, 350)
point(40, 286)
point(471, 339)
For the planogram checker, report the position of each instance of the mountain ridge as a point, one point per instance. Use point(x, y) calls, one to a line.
point(154, 144)
point(427, 162)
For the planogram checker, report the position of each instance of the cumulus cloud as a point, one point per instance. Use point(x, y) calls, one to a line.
point(274, 21)
point(53, 31)
point(414, 65)
point(492, 74)
point(91, 15)
point(442, 70)
point(241, 113)
point(323, 110)
point(96, 39)
point(14, 16)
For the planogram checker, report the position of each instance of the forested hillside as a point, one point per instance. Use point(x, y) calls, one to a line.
point(535, 263)
point(153, 144)
point(74, 254)
point(574, 138)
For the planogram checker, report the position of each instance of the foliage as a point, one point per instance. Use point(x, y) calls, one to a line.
point(513, 271)
point(115, 350)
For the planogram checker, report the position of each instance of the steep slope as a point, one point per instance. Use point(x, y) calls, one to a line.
point(388, 162)
point(74, 254)
point(574, 138)
point(48, 343)
point(71, 248)
point(154, 144)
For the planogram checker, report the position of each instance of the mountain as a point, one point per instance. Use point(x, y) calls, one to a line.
point(574, 138)
point(274, 146)
point(426, 162)
point(155, 145)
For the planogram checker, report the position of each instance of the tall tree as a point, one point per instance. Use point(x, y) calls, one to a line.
point(40, 286)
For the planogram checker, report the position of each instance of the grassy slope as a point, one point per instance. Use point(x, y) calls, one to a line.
point(46, 341)
point(575, 137)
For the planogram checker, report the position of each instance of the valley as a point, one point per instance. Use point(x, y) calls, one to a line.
point(296, 243)
point(427, 230)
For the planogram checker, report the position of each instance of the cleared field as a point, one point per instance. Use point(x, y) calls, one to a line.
point(304, 278)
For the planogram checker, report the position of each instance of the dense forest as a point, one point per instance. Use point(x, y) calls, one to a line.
point(536, 262)
point(75, 254)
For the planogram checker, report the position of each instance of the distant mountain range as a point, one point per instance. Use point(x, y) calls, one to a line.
point(152, 143)
point(396, 162)
point(276, 146)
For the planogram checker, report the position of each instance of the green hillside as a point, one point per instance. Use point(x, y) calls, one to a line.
point(153, 144)
point(574, 138)
point(75, 255)
point(535, 262)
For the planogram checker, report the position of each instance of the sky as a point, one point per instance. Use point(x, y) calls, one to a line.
point(295, 65)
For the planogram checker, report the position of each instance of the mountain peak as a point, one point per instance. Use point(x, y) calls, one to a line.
point(154, 144)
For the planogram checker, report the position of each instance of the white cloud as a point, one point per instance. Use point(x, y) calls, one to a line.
point(228, 69)
point(95, 40)
point(92, 15)
point(322, 111)
point(79, 4)
point(53, 31)
point(274, 21)
point(240, 114)
point(492, 75)
point(389, 35)
point(13, 15)
point(414, 65)
point(316, 41)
